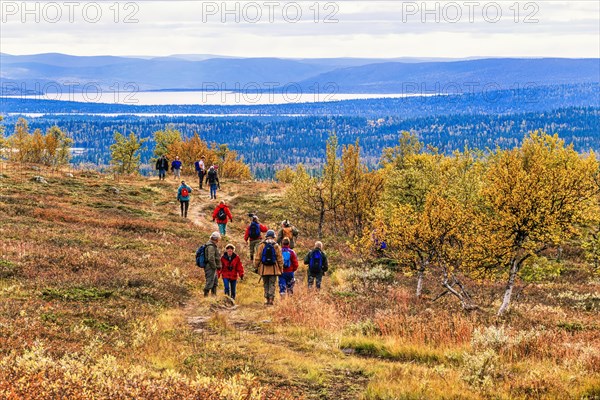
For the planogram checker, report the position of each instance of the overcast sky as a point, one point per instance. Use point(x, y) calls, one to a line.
point(305, 29)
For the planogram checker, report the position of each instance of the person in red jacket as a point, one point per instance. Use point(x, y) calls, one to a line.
point(290, 265)
point(231, 268)
point(253, 233)
point(221, 214)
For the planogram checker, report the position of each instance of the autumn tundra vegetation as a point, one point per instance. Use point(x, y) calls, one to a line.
point(471, 275)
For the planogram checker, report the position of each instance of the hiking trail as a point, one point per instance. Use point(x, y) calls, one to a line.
point(248, 326)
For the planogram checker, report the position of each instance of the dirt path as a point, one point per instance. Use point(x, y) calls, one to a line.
point(221, 321)
point(251, 328)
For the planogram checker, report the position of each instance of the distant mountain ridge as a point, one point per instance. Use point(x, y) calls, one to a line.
point(35, 74)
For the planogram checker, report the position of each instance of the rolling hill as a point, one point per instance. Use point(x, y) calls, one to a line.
point(30, 73)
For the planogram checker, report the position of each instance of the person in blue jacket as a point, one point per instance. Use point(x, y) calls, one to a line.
point(176, 168)
point(183, 195)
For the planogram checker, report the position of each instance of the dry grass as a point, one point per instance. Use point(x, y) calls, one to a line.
point(96, 288)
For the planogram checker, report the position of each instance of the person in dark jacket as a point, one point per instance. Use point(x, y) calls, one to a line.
point(213, 264)
point(200, 170)
point(220, 215)
point(253, 234)
point(290, 265)
point(176, 167)
point(317, 263)
point(183, 195)
point(231, 269)
point(269, 264)
point(162, 165)
point(212, 179)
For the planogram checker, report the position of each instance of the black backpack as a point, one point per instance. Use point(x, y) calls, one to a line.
point(212, 176)
point(254, 231)
point(221, 215)
point(269, 256)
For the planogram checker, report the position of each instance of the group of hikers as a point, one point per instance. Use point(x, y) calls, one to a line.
point(209, 176)
point(272, 257)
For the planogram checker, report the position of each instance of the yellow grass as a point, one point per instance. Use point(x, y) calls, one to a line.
point(99, 294)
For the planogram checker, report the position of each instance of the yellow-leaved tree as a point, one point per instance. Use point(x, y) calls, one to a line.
point(20, 141)
point(331, 181)
point(285, 175)
point(231, 166)
point(342, 195)
point(360, 190)
point(308, 197)
point(36, 149)
point(52, 149)
point(534, 197)
point(57, 147)
point(591, 240)
point(192, 149)
point(425, 213)
point(164, 139)
point(125, 155)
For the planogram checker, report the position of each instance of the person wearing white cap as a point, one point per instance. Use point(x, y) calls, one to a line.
point(268, 261)
point(213, 263)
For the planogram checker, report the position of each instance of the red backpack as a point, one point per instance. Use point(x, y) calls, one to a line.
point(185, 192)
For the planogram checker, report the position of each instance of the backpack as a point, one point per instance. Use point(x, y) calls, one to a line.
point(269, 256)
point(315, 264)
point(254, 231)
point(201, 256)
point(287, 257)
point(288, 233)
point(221, 215)
point(212, 175)
point(185, 192)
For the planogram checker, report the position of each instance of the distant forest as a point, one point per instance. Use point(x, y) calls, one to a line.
point(268, 143)
point(274, 136)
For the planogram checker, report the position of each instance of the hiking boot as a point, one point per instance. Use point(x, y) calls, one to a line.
point(206, 293)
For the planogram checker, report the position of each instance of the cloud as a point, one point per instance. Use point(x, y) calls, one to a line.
point(305, 28)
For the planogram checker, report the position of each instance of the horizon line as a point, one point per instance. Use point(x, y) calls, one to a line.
point(298, 57)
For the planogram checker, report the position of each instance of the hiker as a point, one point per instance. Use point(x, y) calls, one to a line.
point(269, 264)
point(231, 268)
point(200, 170)
point(287, 231)
point(220, 215)
point(183, 195)
point(316, 260)
point(162, 165)
point(213, 263)
point(379, 246)
point(253, 234)
point(213, 180)
point(176, 168)
point(290, 265)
